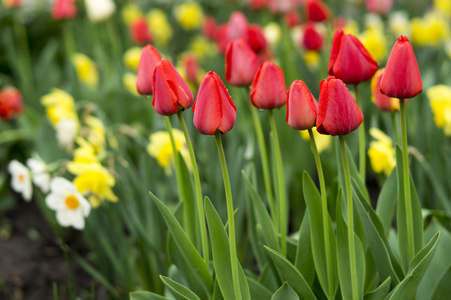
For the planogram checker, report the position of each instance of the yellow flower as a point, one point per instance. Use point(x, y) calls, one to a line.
point(444, 6)
point(201, 47)
point(59, 105)
point(96, 185)
point(322, 141)
point(430, 30)
point(374, 41)
point(130, 13)
point(312, 59)
point(131, 57)
point(352, 27)
point(86, 70)
point(189, 15)
point(381, 153)
point(96, 133)
point(159, 25)
point(398, 23)
point(160, 148)
point(440, 101)
point(129, 82)
point(272, 33)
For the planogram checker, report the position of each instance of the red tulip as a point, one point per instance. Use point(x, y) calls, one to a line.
point(140, 31)
point(379, 6)
point(63, 9)
point(338, 114)
point(255, 37)
point(382, 101)
point(191, 67)
point(146, 68)
point(241, 63)
point(293, 18)
point(401, 77)
point(312, 38)
point(349, 60)
point(209, 27)
point(301, 106)
point(268, 87)
point(236, 28)
point(12, 3)
point(214, 109)
point(257, 4)
point(10, 103)
point(283, 6)
point(171, 94)
point(317, 11)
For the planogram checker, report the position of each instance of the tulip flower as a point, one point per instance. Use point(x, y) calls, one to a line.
point(171, 93)
point(241, 63)
point(255, 37)
point(12, 3)
point(382, 101)
point(301, 106)
point(349, 60)
point(63, 9)
point(234, 29)
point(379, 6)
point(146, 68)
point(100, 10)
point(338, 114)
point(293, 18)
point(312, 38)
point(257, 4)
point(140, 32)
point(283, 6)
point(213, 110)
point(268, 87)
point(10, 103)
point(316, 11)
point(401, 78)
point(209, 27)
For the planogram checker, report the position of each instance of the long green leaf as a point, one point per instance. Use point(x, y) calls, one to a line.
point(386, 202)
point(179, 291)
point(303, 261)
point(381, 292)
point(443, 287)
point(258, 290)
point(285, 293)
point(143, 295)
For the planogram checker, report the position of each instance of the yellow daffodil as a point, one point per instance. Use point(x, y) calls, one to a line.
point(159, 25)
point(96, 185)
point(444, 6)
point(322, 141)
point(96, 133)
point(374, 41)
point(201, 47)
point(398, 23)
point(312, 58)
point(129, 82)
point(430, 30)
point(352, 27)
point(381, 152)
point(440, 101)
point(86, 70)
point(131, 57)
point(189, 15)
point(130, 13)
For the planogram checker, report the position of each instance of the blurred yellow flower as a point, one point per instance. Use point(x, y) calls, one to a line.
point(312, 58)
point(398, 23)
point(322, 141)
point(440, 101)
point(381, 152)
point(96, 133)
point(189, 15)
point(131, 12)
point(159, 26)
point(201, 47)
point(86, 70)
point(129, 82)
point(430, 30)
point(160, 148)
point(131, 57)
point(352, 27)
point(444, 6)
point(272, 33)
point(374, 41)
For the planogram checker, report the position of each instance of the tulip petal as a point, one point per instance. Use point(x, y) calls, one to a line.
point(301, 106)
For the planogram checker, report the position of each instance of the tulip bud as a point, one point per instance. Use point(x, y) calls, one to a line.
point(312, 38)
point(170, 92)
point(214, 109)
point(379, 6)
point(100, 10)
point(10, 103)
point(146, 68)
point(268, 87)
point(241, 63)
point(338, 114)
point(255, 37)
point(293, 18)
point(209, 28)
point(382, 101)
point(301, 106)
point(140, 31)
point(63, 9)
point(317, 11)
point(401, 78)
point(236, 28)
point(191, 68)
point(349, 60)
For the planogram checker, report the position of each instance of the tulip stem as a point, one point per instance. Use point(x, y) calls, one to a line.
point(200, 204)
point(325, 212)
point(395, 127)
point(264, 160)
point(282, 201)
point(362, 156)
point(232, 239)
point(406, 178)
point(351, 243)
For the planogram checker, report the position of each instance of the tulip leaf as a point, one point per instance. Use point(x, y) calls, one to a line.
point(386, 202)
point(381, 292)
point(185, 246)
point(303, 261)
point(443, 286)
point(314, 206)
point(258, 290)
point(285, 293)
point(143, 295)
point(291, 275)
point(407, 287)
point(179, 291)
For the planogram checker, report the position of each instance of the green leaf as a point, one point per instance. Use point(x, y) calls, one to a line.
point(443, 287)
point(179, 291)
point(303, 261)
point(258, 290)
point(406, 289)
point(291, 275)
point(386, 202)
point(143, 295)
point(313, 200)
point(185, 246)
point(381, 292)
point(285, 293)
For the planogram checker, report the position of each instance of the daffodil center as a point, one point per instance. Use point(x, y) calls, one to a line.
point(72, 202)
point(21, 178)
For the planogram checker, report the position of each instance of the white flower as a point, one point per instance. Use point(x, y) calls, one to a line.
point(99, 10)
point(66, 132)
point(38, 174)
point(20, 181)
point(71, 207)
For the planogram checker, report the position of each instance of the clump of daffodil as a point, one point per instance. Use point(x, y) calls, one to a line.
point(131, 57)
point(202, 47)
point(129, 82)
point(95, 133)
point(160, 148)
point(399, 24)
point(440, 101)
point(444, 6)
point(381, 152)
point(430, 30)
point(131, 12)
point(86, 70)
point(189, 15)
point(272, 33)
point(322, 141)
point(312, 59)
point(161, 29)
point(375, 42)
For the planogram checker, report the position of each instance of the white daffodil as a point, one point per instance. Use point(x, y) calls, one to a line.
point(71, 207)
point(99, 10)
point(20, 181)
point(66, 132)
point(38, 174)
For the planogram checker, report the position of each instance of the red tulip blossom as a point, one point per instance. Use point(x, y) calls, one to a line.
point(241, 63)
point(10, 103)
point(171, 94)
point(257, 4)
point(293, 18)
point(268, 87)
point(191, 65)
point(312, 40)
point(301, 106)
point(401, 78)
point(338, 114)
point(236, 28)
point(316, 11)
point(63, 9)
point(12, 3)
point(146, 68)
point(349, 60)
point(140, 31)
point(209, 27)
point(379, 6)
point(214, 110)
point(283, 6)
point(382, 101)
point(255, 37)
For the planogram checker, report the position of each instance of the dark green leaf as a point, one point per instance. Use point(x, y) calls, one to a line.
point(142, 295)
point(285, 293)
point(258, 290)
point(179, 291)
point(386, 203)
point(381, 292)
point(443, 287)
point(303, 261)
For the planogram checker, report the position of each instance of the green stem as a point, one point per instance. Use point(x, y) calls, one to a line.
point(25, 60)
point(69, 42)
point(200, 204)
point(351, 243)
point(395, 127)
point(264, 160)
point(406, 178)
point(362, 156)
point(66, 258)
point(325, 212)
point(282, 201)
point(232, 239)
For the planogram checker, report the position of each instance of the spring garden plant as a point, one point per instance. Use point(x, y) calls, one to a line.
point(315, 211)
